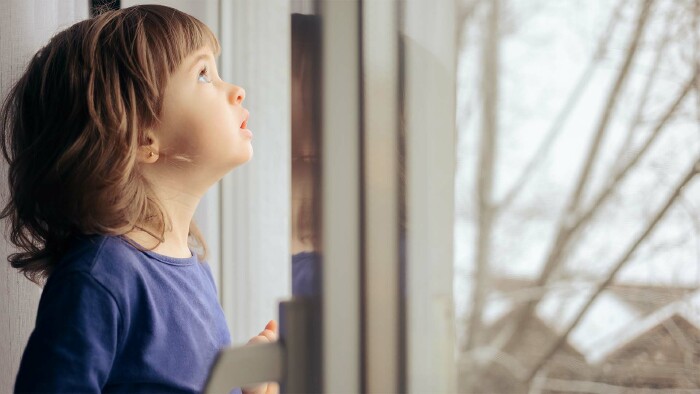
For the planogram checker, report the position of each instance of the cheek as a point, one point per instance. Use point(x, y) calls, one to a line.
point(213, 112)
point(199, 125)
point(205, 117)
point(182, 132)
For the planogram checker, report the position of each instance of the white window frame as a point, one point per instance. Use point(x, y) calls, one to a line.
point(430, 97)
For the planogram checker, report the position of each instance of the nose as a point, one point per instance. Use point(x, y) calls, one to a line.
point(236, 94)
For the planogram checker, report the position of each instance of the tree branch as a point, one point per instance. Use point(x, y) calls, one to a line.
point(608, 111)
point(571, 101)
point(690, 174)
point(607, 192)
point(644, 96)
point(565, 224)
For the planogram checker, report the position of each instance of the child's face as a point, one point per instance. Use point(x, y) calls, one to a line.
point(202, 118)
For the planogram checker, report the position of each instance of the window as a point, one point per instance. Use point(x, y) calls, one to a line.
point(576, 240)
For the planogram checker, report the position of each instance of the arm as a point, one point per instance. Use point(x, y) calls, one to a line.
point(74, 343)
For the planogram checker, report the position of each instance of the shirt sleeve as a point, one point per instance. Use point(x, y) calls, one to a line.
point(75, 339)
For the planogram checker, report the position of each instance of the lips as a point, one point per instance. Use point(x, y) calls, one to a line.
point(246, 114)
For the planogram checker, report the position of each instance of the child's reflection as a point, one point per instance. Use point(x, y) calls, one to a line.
point(306, 207)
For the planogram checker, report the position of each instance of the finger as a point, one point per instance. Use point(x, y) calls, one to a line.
point(272, 326)
point(259, 339)
point(272, 336)
point(272, 388)
point(257, 389)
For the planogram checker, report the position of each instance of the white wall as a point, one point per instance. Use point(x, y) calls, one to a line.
point(256, 198)
point(25, 25)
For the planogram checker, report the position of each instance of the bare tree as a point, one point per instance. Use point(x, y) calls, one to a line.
point(580, 211)
point(566, 224)
point(558, 342)
point(558, 124)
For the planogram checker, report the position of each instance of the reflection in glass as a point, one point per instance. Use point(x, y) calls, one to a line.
point(306, 207)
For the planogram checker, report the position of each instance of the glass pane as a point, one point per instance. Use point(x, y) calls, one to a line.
point(306, 175)
point(576, 238)
point(306, 207)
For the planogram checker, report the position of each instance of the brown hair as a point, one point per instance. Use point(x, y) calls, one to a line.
point(71, 126)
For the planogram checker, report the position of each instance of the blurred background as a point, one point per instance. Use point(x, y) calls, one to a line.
point(577, 257)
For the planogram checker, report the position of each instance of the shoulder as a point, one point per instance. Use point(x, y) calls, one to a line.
point(106, 259)
point(94, 254)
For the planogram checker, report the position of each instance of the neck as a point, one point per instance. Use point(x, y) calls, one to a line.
point(180, 207)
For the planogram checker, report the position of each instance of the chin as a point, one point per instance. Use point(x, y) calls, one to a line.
point(239, 161)
point(249, 155)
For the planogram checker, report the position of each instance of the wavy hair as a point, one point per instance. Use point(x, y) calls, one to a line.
point(71, 126)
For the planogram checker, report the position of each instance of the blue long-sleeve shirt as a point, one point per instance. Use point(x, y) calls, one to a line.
point(112, 318)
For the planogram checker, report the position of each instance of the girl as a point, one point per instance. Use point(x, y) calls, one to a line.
point(113, 134)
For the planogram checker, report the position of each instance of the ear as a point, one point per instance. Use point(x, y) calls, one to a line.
point(149, 153)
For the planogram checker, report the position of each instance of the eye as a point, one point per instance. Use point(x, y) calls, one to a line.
point(204, 76)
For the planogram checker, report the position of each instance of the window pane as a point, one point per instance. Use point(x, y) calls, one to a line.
point(576, 239)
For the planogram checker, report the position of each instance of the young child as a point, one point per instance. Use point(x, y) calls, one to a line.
point(113, 134)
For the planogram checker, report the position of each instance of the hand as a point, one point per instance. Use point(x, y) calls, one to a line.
point(269, 334)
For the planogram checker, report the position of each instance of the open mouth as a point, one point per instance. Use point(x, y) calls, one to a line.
point(245, 120)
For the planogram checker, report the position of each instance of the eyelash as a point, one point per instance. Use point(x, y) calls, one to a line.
point(204, 73)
